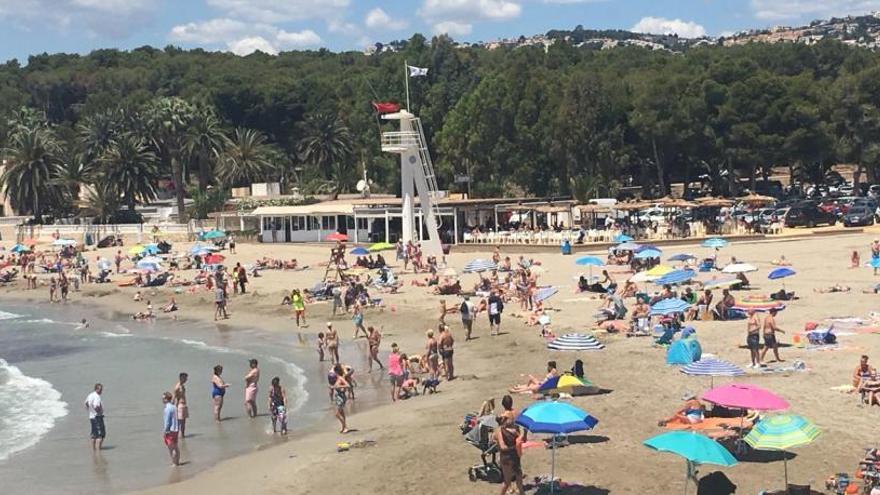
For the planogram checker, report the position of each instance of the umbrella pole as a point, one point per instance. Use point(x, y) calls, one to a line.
point(553, 464)
point(785, 465)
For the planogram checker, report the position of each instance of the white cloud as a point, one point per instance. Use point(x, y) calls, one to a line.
point(246, 46)
point(243, 38)
point(453, 28)
point(777, 10)
point(465, 11)
point(661, 25)
point(114, 18)
point(377, 19)
point(274, 11)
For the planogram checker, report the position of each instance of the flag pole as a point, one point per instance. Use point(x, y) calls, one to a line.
point(406, 78)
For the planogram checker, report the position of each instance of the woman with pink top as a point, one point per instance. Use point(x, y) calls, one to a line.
point(395, 371)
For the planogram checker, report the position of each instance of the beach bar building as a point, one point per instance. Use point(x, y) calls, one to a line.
point(379, 219)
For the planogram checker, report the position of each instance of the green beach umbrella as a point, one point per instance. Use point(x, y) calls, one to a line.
point(214, 234)
point(381, 246)
point(781, 433)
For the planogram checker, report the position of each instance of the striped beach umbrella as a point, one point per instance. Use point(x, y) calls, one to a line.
point(545, 293)
point(712, 367)
point(480, 265)
point(715, 242)
point(781, 433)
point(676, 277)
point(669, 307)
point(575, 342)
point(660, 270)
point(563, 384)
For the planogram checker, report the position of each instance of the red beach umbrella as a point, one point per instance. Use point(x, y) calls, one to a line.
point(336, 236)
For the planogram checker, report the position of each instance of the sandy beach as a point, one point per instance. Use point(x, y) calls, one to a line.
point(418, 447)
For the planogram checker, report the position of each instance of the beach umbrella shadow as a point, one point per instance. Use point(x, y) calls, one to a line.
point(765, 456)
point(571, 490)
point(587, 439)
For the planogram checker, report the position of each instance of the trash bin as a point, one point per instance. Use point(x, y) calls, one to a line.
point(89, 241)
point(566, 247)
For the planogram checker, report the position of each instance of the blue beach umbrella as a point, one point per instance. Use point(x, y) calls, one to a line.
point(480, 265)
point(149, 265)
point(214, 234)
point(715, 242)
point(647, 254)
point(151, 248)
point(589, 261)
point(712, 367)
point(19, 248)
point(622, 238)
point(875, 263)
point(627, 246)
point(694, 447)
point(643, 247)
point(681, 257)
point(669, 306)
point(359, 251)
point(555, 418)
point(676, 277)
point(781, 272)
point(103, 265)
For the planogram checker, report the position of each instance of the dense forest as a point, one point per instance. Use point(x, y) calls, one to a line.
point(524, 121)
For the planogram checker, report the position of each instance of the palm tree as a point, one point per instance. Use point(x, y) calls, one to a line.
point(31, 167)
point(167, 119)
point(102, 201)
point(97, 131)
point(327, 145)
point(204, 142)
point(132, 168)
point(247, 158)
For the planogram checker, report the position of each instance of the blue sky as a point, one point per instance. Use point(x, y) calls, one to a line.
point(241, 26)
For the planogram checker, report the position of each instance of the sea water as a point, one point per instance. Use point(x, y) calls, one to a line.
point(49, 363)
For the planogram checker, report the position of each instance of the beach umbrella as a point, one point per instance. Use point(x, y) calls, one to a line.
point(103, 265)
point(151, 259)
point(745, 396)
point(712, 367)
point(781, 272)
point(643, 247)
point(782, 433)
point(575, 342)
point(669, 306)
point(213, 234)
point(151, 248)
point(149, 266)
point(694, 447)
point(336, 236)
point(620, 238)
point(589, 261)
point(626, 246)
point(642, 277)
point(563, 384)
point(739, 268)
point(721, 282)
point(875, 263)
point(136, 250)
point(214, 258)
point(681, 257)
point(381, 246)
point(359, 251)
point(715, 243)
point(555, 418)
point(480, 265)
point(676, 277)
point(201, 249)
point(64, 242)
point(647, 254)
point(660, 270)
point(20, 248)
point(30, 241)
point(545, 293)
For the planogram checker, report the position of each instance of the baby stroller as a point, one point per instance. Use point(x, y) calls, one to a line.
point(480, 436)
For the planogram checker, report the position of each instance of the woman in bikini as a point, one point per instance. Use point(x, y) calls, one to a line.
point(534, 384)
point(332, 343)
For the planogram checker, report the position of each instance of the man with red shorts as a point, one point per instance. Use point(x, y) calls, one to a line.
point(171, 428)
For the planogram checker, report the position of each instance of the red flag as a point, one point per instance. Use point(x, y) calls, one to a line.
point(383, 108)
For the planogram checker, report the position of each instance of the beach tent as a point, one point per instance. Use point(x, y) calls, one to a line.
point(683, 352)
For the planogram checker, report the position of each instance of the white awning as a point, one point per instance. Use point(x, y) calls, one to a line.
point(325, 208)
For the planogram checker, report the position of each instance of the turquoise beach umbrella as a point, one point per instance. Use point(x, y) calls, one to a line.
point(214, 234)
point(694, 447)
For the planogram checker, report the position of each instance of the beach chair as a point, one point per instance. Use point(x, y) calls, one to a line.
point(481, 438)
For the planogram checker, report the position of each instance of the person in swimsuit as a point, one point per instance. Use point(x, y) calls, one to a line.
point(278, 406)
point(180, 403)
point(95, 407)
point(299, 307)
point(250, 389)
point(374, 338)
point(332, 343)
point(447, 342)
point(691, 413)
point(358, 320)
point(433, 355)
point(172, 426)
point(770, 330)
point(395, 371)
point(321, 344)
point(218, 390)
point(340, 395)
point(509, 440)
point(753, 338)
point(533, 383)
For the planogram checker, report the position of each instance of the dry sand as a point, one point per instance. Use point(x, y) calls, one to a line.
point(418, 445)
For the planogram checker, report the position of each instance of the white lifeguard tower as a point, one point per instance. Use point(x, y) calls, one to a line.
point(416, 177)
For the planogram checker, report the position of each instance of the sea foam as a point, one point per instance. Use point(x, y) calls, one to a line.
point(29, 408)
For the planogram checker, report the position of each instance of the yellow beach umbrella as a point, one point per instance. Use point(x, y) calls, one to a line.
point(136, 250)
point(659, 271)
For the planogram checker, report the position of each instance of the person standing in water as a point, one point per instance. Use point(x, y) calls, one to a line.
point(299, 307)
point(169, 416)
point(179, 396)
point(218, 391)
point(332, 343)
point(95, 407)
point(358, 320)
point(374, 338)
point(278, 406)
point(340, 395)
point(395, 371)
point(250, 390)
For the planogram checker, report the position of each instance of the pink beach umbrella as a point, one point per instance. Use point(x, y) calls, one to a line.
point(745, 396)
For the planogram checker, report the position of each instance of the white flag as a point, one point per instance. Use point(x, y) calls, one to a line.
point(417, 71)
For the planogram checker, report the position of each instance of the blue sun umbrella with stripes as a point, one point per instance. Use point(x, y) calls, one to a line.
point(668, 307)
point(712, 367)
point(480, 265)
point(676, 277)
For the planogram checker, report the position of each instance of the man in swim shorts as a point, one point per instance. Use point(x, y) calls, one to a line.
point(753, 338)
point(169, 416)
point(95, 407)
point(495, 308)
point(770, 330)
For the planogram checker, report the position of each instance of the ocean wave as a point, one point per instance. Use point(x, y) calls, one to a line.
point(201, 345)
point(8, 316)
point(30, 408)
point(47, 320)
point(112, 335)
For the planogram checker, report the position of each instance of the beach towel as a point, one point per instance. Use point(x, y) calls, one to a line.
point(708, 424)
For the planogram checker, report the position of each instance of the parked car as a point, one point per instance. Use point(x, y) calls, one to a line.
point(859, 216)
point(874, 191)
point(800, 216)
